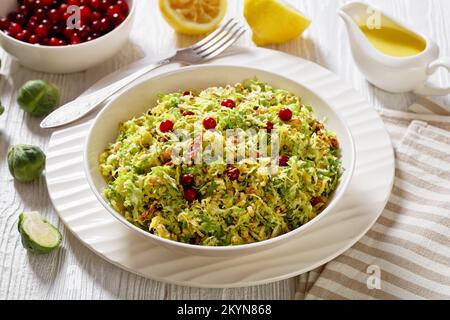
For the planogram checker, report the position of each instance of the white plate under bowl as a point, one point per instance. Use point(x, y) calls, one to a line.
point(360, 207)
point(136, 101)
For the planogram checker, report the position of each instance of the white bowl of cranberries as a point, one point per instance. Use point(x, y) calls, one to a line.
point(64, 36)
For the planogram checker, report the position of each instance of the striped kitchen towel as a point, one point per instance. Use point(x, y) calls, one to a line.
point(406, 255)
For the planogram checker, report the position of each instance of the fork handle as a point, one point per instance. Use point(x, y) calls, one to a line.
point(78, 108)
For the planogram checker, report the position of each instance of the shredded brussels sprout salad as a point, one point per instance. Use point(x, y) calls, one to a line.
point(220, 203)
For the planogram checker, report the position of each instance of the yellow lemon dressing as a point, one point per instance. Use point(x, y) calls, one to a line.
point(395, 42)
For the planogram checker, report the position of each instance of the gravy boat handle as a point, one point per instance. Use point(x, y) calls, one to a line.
point(429, 90)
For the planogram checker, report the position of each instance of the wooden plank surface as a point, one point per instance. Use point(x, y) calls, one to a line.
point(74, 272)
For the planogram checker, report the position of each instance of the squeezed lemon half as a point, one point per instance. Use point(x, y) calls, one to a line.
point(273, 21)
point(193, 17)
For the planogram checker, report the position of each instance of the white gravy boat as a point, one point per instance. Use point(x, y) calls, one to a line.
point(393, 74)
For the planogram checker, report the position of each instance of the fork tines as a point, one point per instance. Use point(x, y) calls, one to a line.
point(220, 40)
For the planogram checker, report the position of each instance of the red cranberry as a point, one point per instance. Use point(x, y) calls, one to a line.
point(23, 36)
point(96, 15)
point(285, 114)
point(105, 4)
point(20, 19)
point(45, 41)
point(46, 23)
point(166, 126)
point(33, 39)
point(283, 160)
point(63, 9)
point(68, 33)
point(53, 42)
point(54, 15)
point(84, 32)
point(73, 2)
point(86, 13)
point(123, 6)
point(188, 113)
point(187, 180)
point(112, 10)
point(190, 194)
point(96, 25)
point(14, 29)
point(117, 19)
point(41, 31)
point(40, 14)
point(269, 126)
point(4, 24)
point(34, 19)
point(28, 3)
point(187, 93)
point(46, 2)
point(209, 123)
point(23, 9)
point(104, 25)
point(75, 39)
point(233, 173)
point(229, 103)
point(94, 4)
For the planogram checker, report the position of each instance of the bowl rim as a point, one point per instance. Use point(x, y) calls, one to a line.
point(218, 249)
point(79, 45)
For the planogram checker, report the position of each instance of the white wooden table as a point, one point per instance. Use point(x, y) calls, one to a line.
point(74, 272)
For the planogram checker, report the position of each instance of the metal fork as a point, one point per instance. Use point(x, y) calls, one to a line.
point(206, 49)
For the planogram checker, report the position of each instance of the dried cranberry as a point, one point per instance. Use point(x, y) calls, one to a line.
point(190, 194)
point(166, 126)
point(209, 123)
point(233, 173)
point(269, 126)
point(229, 103)
point(285, 114)
point(283, 160)
point(187, 180)
point(188, 113)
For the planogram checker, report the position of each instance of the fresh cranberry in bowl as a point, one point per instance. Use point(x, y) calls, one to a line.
point(50, 18)
point(84, 47)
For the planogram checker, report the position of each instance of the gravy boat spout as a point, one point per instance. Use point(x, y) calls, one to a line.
point(389, 72)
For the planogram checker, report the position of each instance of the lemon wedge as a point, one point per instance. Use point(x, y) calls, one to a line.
point(273, 21)
point(193, 17)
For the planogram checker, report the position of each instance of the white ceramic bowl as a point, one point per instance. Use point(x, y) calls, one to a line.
point(137, 100)
point(70, 58)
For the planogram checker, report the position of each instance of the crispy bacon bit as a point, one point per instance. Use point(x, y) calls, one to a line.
point(334, 142)
point(319, 126)
point(251, 190)
point(316, 200)
point(148, 213)
point(166, 156)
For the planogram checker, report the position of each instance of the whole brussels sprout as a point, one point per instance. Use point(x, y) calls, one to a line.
point(26, 162)
point(38, 97)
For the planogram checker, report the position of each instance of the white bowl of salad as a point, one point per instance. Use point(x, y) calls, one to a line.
point(219, 160)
